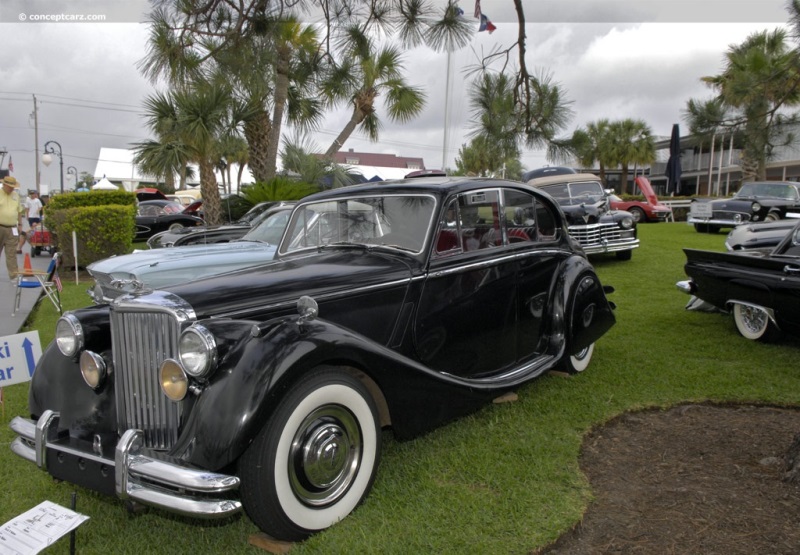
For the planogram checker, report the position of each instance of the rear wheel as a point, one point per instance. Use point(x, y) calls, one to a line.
point(772, 217)
point(577, 363)
point(753, 323)
point(315, 459)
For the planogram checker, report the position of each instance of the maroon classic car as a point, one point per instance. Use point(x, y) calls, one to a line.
point(649, 210)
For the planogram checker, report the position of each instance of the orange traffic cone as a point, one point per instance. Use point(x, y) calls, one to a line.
point(26, 266)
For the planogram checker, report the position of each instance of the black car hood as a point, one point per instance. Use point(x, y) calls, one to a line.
point(257, 289)
point(582, 214)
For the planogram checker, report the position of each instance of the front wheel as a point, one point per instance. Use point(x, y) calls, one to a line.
point(577, 363)
point(624, 255)
point(315, 459)
point(753, 323)
point(638, 214)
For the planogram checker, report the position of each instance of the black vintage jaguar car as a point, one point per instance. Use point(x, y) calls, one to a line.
point(402, 304)
point(761, 288)
point(762, 201)
point(587, 206)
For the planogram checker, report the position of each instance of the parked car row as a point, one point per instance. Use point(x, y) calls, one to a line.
point(257, 375)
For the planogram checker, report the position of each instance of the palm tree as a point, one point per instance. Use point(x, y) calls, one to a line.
point(161, 159)
point(361, 79)
point(197, 118)
point(759, 81)
point(631, 142)
point(592, 145)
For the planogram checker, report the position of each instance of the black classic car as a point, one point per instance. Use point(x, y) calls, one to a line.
point(204, 235)
point(761, 201)
point(761, 288)
point(763, 235)
point(402, 304)
point(153, 216)
point(597, 227)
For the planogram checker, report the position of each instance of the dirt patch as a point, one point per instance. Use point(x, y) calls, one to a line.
point(692, 479)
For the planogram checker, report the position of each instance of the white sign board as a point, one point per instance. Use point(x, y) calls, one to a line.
point(18, 356)
point(38, 528)
point(701, 210)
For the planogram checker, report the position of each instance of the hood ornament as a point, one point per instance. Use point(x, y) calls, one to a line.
point(130, 285)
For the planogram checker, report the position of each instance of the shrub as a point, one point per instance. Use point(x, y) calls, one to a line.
point(103, 222)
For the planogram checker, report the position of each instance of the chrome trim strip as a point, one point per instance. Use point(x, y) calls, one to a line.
point(142, 466)
point(188, 507)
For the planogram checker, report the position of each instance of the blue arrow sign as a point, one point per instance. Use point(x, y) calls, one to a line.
point(18, 357)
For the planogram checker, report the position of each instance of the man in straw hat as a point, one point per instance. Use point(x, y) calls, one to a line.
point(11, 213)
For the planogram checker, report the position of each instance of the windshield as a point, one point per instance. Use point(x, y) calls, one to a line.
point(397, 221)
point(269, 229)
point(586, 190)
point(772, 190)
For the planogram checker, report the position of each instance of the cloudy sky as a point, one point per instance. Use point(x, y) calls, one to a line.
point(615, 59)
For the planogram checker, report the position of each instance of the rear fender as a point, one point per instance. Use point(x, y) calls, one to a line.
point(589, 314)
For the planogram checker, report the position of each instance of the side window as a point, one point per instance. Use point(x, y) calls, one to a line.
point(546, 228)
point(448, 238)
point(479, 213)
point(519, 212)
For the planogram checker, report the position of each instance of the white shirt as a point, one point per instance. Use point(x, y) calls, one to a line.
point(34, 206)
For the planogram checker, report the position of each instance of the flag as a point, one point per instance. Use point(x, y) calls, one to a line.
point(477, 9)
point(10, 165)
point(486, 25)
point(57, 281)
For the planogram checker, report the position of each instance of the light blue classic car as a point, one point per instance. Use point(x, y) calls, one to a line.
point(157, 268)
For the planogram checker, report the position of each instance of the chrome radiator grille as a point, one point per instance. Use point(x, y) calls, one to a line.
point(595, 234)
point(141, 341)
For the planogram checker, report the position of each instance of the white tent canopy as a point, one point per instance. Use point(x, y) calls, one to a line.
point(104, 185)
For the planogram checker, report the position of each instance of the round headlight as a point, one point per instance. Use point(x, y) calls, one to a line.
point(737, 219)
point(626, 223)
point(756, 207)
point(197, 350)
point(174, 382)
point(93, 369)
point(69, 335)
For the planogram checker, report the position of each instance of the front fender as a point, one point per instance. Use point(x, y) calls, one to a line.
point(257, 371)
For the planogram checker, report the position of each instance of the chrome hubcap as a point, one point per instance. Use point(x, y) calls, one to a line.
point(325, 455)
point(754, 319)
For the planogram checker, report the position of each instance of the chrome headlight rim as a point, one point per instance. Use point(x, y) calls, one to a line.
point(69, 335)
point(626, 223)
point(756, 207)
point(197, 351)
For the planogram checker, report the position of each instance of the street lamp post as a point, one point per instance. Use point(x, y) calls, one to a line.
point(48, 158)
point(72, 170)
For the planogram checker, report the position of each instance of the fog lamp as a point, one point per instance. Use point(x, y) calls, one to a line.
point(93, 369)
point(174, 382)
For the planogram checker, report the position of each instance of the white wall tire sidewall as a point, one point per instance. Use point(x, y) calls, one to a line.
point(739, 318)
point(581, 364)
point(320, 518)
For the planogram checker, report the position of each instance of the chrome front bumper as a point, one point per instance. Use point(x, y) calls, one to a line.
point(611, 246)
point(157, 482)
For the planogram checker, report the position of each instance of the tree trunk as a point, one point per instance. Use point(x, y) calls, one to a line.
point(357, 118)
point(257, 134)
point(212, 205)
point(281, 94)
point(624, 179)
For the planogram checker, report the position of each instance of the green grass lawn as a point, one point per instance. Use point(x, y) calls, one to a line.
point(504, 480)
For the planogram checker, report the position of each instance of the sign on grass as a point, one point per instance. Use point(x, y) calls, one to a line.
point(18, 356)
